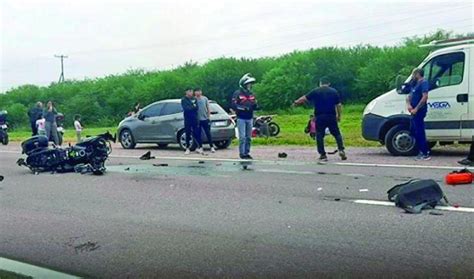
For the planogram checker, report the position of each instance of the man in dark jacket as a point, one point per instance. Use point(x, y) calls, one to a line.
point(33, 115)
point(191, 124)
point(244, 104)
point(327, 109)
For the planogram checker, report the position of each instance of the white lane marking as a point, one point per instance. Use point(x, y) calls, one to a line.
point(386, 203)
point(401, 166)
point(31, 270)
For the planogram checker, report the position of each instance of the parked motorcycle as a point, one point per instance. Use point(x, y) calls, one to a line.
point(87, 156)
point(263, 126)
point(3, 127)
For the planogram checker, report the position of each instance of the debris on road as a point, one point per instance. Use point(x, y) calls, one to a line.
point(147, 156)
point(280, 202)
point(337, 199)
point(1, 177)
point(282, 155)
point(320, 189)
point(86, 247)
point(436, 213)
point(363, 190)
point(127, 169)
point(201, 162)
point(415, 195)
point(463, 176)
point(160, 165)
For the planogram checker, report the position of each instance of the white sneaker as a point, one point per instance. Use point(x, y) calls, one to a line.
point(213, 150)
point(200, 151)
point(187, 152)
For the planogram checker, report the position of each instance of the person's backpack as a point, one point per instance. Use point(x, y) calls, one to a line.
point(415, 195)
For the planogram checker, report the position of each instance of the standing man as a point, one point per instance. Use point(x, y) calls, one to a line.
point(204, 117)
point(191, 125)
point(51, 126)
point(327, 110)
point(244, 104)
point(416, 105)
point(33, 114)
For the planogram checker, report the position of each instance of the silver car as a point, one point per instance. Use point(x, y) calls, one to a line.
point(163, 123)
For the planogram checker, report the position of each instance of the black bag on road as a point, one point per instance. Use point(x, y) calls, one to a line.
point(415, 195)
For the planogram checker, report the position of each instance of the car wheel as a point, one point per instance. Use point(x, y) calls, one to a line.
point(274, 129)
point(223, 144)
point(126, 139)
point(162, 145)
point(399, 141)
point(432, 144)
point(182, 141)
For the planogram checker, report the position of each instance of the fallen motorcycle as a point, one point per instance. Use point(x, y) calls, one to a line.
point(3, 127)
point(87, 156)
point(263, 126)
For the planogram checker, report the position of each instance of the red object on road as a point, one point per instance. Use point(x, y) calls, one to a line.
point(459, 177)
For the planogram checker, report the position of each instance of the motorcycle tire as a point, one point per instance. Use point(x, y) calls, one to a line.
point(274, 129)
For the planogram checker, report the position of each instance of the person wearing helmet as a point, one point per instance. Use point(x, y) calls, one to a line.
point(244, 104)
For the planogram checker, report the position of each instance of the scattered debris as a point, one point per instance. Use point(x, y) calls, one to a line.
point(363, 190)
point(347, 188)
point(160, 165)
point(333, 152)
point(127, 169)
point(337, 199)
point(282, 155)
point(219, 164)
point(463, 176)
point(1, 177)
point(415, 195)
point(455, 205)
point(435, 213)
point(289, 227)
point(147, 156)
point(279, 201)
point(320, 189)
point(201, 162)
point(86, 247)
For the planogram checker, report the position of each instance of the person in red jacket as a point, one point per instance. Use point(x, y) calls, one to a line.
point(244, 104)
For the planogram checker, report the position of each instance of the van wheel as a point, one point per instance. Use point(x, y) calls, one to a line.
point(399, 141)
point(126, 139)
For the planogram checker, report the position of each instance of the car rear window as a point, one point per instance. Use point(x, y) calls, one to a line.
point(216, 109)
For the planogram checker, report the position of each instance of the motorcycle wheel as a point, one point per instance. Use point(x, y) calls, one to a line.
point(274, 129)
point(60, 139)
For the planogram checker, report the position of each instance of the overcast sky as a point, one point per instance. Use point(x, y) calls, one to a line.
point(109, 37)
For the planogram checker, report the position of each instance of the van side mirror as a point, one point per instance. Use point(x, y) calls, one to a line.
point(399, 80)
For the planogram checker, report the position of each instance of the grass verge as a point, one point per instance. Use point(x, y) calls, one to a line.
point(292, 124)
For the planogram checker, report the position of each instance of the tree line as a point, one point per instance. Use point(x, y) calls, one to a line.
point(359, 73)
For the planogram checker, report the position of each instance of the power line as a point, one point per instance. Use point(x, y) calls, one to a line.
point(61, 77)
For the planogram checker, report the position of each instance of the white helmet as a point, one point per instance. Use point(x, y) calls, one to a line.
point(246, 79)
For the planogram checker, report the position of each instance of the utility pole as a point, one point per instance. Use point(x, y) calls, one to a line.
point(61, 77)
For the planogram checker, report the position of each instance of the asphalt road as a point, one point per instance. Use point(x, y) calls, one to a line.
point(214, 219)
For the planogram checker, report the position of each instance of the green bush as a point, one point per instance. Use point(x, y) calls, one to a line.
point(358, 73)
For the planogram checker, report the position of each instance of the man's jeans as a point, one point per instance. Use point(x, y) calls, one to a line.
point(245, 135)
point(191, 128)
point(323, 122)
point(418, 132)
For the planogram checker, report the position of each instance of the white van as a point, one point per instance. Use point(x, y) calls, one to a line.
point(450, 72)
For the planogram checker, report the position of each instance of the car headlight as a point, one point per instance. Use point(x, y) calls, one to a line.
point(370, 107)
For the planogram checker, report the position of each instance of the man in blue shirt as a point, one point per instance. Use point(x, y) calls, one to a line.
point(327, 109)
point(417, 107)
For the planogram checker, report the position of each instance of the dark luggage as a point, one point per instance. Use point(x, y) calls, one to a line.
point(33, 144)
point(415, 195)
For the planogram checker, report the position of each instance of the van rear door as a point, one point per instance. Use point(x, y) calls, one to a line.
point(448, 75)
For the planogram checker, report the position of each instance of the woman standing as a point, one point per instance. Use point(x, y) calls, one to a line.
point(51, 127)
